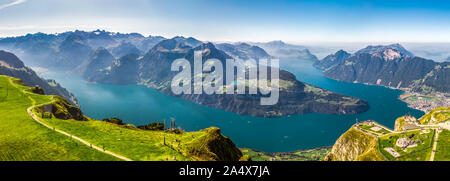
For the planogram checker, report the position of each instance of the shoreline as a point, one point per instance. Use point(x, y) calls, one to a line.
point(420, 101)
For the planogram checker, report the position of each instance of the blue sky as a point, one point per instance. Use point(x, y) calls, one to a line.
point(237, 20)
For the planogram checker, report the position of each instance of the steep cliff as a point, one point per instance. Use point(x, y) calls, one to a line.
point(354, 145)
point(213, 146)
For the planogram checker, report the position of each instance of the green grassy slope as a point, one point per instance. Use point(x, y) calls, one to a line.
point(25, 139)
point(419, 153)
point(443, 146)
point(436, 116)
point(21, 138)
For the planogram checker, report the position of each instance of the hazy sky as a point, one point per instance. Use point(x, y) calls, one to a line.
point(237, 20)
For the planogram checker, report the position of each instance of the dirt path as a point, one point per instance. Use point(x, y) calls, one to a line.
point(433, 150)
point(37, 119)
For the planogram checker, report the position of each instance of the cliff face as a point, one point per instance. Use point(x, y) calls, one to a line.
point(12, 66)
point(214, 147)
point(354, 145)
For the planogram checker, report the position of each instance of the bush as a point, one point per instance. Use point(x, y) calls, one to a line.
point(114, 121)
point(153, 127)
point(175, 130)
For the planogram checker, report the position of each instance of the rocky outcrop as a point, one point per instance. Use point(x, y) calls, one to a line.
point(62, 109)
point(213, 146)
point(354, 145)
point(37, 90)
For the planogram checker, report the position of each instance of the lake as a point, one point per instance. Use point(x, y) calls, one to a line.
point(140, 105)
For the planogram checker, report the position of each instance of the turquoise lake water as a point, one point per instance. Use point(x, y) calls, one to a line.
point(141, 105)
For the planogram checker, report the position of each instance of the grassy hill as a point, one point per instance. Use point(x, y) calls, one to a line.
point(23, 138)
point(423, 139)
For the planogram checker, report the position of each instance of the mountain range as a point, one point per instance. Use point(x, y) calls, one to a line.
point(68, 50)
point(115, 58)
point(391, 66)
point(280, 49)
point(53, 50)
point(243, 51)
point(153, 70)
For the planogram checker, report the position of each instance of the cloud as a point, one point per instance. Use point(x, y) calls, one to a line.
point(13, 3)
